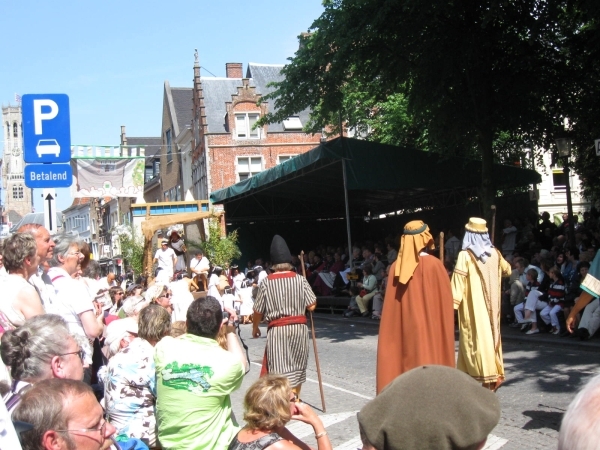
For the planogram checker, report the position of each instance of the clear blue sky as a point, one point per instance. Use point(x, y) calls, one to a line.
point(112, 57)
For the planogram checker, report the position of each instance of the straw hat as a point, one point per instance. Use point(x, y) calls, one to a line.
point(476, 225)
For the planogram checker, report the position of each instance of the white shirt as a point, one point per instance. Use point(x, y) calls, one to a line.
point(73, 299)
point(46, 290)
point(165, 259)
point(202, 264)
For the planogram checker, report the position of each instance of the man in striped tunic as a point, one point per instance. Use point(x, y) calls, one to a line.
point(282, 299)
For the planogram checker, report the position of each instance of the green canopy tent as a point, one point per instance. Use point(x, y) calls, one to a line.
point(345, 178)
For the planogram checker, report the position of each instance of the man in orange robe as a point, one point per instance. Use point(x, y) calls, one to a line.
point(417, 321)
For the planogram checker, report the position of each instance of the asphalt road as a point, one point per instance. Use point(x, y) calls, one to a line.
point(542, 379)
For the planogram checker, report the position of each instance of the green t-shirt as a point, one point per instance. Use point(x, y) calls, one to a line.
point(194, 378)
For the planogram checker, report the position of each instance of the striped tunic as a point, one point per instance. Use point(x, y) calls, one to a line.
point(279, 295)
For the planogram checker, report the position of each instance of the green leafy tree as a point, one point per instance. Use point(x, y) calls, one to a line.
point(479, 77)
point(132, 246)
point(220, 250)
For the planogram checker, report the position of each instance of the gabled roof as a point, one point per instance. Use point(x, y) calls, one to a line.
point(262, 75)
point(381, 179)
point(183, 102)
point(217, 92)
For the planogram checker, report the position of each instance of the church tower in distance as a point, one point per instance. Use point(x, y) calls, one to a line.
point(18, 199)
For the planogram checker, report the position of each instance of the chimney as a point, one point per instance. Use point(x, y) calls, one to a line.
point(234, 70)
point(123, 135)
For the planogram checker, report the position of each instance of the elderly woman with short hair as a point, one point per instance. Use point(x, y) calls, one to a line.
point(130, 381)
point(75, 304)
point(19, 300)
point(42, 348)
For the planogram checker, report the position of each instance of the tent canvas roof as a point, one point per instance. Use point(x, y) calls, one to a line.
point(380, 178)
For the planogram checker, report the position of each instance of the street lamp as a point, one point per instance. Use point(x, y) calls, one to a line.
point(563, 145)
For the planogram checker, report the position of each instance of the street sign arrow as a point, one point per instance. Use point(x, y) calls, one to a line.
point(49, 199)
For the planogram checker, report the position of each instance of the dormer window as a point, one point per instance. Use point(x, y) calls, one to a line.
point(244, 123)
point(292, 123)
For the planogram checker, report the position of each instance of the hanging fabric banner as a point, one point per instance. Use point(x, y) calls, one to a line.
point(115, 177)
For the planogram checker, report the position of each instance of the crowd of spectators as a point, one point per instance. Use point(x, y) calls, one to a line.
point(144, 365)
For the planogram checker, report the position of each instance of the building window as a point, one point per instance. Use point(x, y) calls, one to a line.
point(148, 173)
point(169, 140)
point(15, 130)
point(292, 123)
point(243, 126)
point(559, 179)
point(17, 192)
point(248, 166)
point(284, 158)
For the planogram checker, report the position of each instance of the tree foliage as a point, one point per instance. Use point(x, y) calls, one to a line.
point(132, 246)
point(219, 250)
point(468, 77)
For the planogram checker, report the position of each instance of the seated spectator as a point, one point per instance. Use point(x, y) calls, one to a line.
point(519, 309)
point(269, 405)
point(42, 348)
point(130, 380)
point(19, 300)
point(65, 415)
point(325, 282)
point(378, 267)
point(392, 253)
point(579, 430)
point(429, 407)
point(195, 378)
point(378, 298)
point(368, 289)
point(556, 300)
point(353, 309)
point(133, 305)
point(118, 334)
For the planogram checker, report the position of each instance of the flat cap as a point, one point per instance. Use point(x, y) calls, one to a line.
point(430, 407)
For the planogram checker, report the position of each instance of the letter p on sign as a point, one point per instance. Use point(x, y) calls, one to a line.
point(39, 115)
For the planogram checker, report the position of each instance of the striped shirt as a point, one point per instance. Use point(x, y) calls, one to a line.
point(556, 291)
point(284, 294)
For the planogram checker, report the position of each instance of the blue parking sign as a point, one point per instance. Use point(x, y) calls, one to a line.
point(46, 128)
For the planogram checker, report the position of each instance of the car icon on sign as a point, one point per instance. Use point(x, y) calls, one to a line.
point(47, 147)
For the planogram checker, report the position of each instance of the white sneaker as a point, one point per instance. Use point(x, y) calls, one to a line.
point(536, 331)
point(557, 331)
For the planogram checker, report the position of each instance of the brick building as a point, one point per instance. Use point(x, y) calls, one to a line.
point(176, 119)
point(226, 148)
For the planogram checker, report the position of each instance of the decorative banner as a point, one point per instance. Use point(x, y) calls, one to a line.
point(103, 177)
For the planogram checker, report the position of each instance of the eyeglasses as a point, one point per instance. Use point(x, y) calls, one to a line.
point(167, 295)
point(81, 356)
point(101, 429)
point(294, 399)
point(78, 254)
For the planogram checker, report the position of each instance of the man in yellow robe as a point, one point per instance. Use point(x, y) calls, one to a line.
point(477, 297)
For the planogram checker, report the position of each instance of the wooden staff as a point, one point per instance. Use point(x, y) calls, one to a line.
point(493, 224)
point(314, 339)
point(442, 246)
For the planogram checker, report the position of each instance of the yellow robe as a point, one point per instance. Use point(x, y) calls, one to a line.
point(477, 294)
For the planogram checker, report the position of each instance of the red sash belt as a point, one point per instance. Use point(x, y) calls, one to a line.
point(281, 322)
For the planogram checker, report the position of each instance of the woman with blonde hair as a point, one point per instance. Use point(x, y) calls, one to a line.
point(269, 405)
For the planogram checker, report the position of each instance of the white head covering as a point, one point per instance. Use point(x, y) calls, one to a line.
point(477, 239)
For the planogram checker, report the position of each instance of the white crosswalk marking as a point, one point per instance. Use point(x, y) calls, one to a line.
point(494, 442)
